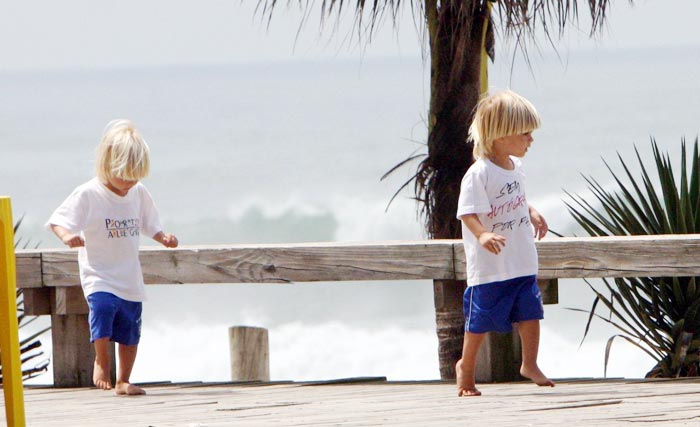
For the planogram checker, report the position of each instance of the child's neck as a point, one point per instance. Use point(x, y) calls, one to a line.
point(115, 190)
point(503, 161)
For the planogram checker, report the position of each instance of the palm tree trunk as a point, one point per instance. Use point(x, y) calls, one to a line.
point(455, 47)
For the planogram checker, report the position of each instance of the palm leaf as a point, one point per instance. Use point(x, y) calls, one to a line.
point(608, 347)
point(659, 315)
point(29, 345)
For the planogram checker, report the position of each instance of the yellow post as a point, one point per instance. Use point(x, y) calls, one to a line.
point(9, 330)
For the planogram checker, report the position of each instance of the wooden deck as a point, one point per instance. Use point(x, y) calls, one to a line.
point(372, 403)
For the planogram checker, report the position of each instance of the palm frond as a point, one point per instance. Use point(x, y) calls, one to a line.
point(28, 346)
point(659, 315)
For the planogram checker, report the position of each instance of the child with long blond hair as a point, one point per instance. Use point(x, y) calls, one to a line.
point(105, 218)
point(498, 231)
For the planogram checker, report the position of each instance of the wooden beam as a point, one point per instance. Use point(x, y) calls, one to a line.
point(37, 301)
point(60, 268)
point(549, 288)
point(614, 256)
point(620, 256)
point(449, 323)
point(73, 354)
point(311, 262)
point(250, 353)
point(70, 300)
point(499, 358)
point(28, 269)
point(567, 257)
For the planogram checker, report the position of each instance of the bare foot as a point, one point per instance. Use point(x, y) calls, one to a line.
point(100, 377)
point(469, 392)
point(536, 376)
point(465, 384)
point(124, 389)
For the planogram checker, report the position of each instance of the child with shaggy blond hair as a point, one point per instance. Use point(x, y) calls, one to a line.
point(498, 231)
point(105, 218)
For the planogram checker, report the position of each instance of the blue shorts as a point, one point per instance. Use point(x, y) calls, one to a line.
point(496, 306)
point(114, 318)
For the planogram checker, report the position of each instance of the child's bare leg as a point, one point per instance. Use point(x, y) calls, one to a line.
point(127, 357)
point(466, 366)
point(530, 339)
point(101, 371)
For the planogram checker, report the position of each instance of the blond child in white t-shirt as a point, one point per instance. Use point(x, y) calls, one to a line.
point(498, 231)
point(104, 218)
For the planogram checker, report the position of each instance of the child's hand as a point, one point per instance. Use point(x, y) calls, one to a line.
point(72, 240)
point(492, 242)
point(539, 223)
point(166, 239)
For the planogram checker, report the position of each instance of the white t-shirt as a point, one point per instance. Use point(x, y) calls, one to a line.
point(497, 196)
point(111, 226)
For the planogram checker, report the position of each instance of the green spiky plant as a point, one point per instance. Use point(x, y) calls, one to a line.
point(659, 315)
point(29, 346)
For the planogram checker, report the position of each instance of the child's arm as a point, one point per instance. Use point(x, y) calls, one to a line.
point(539, 223)
point(69, 239)
point(166, 239)
point(492, 242)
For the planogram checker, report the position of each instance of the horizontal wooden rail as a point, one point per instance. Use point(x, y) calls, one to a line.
point(568, 257)
point(311, 262)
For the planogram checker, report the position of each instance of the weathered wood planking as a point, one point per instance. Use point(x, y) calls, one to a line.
point(37, 301)
point(620, 256)
point(587, 403)
point(614, 256)
point(312, 262)
point(568, 257)
point(60, 268)
point(69, 300)
point(28, 268)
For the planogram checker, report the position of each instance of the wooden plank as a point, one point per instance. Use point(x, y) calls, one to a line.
point(568, 257)
point(549, 288)
point(249, 348)
point(37, 301)
point(499, 358)
point(614, 256)
point(60, 268)
point(28, 268)
point(580, 403)
point(449, 322)
point(619, 256)
point(311, 262)
point(73, 354)
point(70, 300)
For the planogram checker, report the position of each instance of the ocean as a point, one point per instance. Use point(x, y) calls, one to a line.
point(293, 152)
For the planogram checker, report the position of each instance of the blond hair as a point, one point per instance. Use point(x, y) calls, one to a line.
point(502, 114)
point(122, 153)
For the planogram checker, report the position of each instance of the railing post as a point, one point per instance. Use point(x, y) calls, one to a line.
point(73, 354)
point(449, 320)
point(9, 329)
point(250, 354)
point(550, 290)
point(499, 357)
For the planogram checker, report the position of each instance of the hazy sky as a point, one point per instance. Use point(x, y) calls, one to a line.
point(79, 33)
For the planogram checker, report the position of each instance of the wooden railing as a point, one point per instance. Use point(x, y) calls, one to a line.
point(51, 283)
